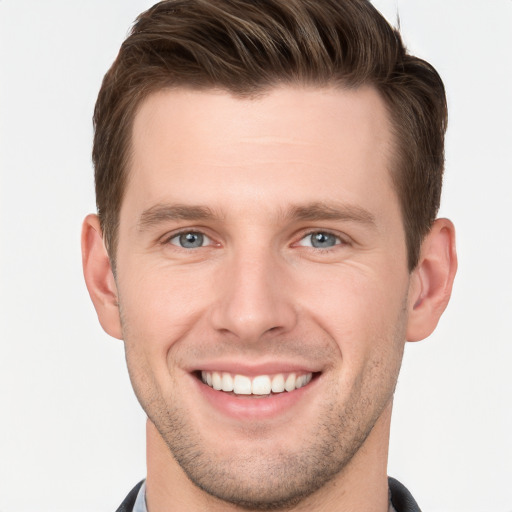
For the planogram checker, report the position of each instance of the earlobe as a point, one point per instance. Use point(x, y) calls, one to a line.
point(432, 280)
point(99, 277)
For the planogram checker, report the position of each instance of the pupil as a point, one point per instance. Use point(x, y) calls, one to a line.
point(191, 240)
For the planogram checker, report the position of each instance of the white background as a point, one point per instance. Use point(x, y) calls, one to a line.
point(71, 431)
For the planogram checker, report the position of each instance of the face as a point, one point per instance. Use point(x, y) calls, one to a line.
point(263, 284)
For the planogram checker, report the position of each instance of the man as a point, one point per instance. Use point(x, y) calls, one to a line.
point(268, 175)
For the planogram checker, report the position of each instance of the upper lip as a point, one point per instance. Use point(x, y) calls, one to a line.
point(253, 370)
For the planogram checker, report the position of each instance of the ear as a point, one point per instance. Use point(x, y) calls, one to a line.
point(432, 280)
point(99, 277)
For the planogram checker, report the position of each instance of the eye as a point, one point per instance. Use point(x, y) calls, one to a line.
point(320, 240)
point(190, 240)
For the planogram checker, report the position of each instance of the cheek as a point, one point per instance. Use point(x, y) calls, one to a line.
point(160, 306)
point(357, 308)
point(368, 327)
point(158, 309)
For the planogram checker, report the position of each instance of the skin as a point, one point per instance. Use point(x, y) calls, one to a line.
point(257, 177)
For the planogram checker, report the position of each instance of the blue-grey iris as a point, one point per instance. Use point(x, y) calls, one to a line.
point(322, 240)
point(191, 240)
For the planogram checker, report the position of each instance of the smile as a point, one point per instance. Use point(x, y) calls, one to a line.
point(259, 385)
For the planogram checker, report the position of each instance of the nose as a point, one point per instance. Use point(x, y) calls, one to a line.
point(254, 297)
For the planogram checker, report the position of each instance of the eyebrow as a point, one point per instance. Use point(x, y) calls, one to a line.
point(328, 211)
point(164, 213)
point(317, 211)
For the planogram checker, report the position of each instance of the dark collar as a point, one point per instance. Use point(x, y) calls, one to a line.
point(401, 498)
point(129, 501)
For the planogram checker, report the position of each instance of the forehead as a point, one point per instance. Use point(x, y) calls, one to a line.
point(290, 145)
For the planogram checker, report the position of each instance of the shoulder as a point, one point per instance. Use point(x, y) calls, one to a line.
point(401, 498)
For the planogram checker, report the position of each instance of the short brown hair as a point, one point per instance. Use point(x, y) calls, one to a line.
point(249, 46)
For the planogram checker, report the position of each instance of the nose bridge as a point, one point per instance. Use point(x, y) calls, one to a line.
point(252, 298)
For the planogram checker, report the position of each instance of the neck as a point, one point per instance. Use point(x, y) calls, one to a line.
point(361, 485)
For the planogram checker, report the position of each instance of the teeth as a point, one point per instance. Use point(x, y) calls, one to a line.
point(216, 381)
point(289, 385)
point(302, 381)
point(260, 385)
point(278, 383)
point(242, 385)
point(227, 382)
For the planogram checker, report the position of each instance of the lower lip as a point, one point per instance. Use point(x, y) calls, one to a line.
point(254, 407)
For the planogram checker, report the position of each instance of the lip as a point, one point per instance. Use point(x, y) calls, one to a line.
point(253, 370)
point(250, 407)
